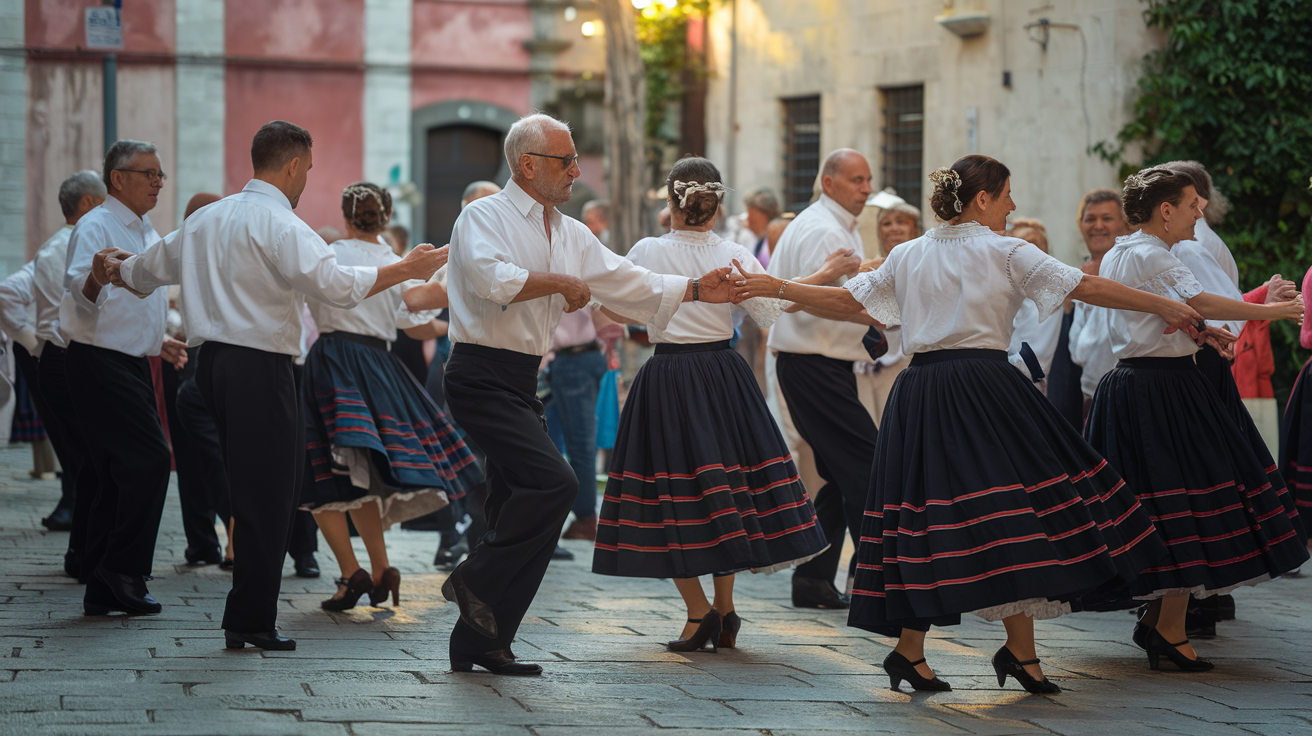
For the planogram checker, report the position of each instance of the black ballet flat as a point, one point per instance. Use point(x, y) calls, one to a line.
point(1005, 663)
point(359, 584)
point(729, 630)
point(899, 668)
point(709, 628)
point(1157, 646)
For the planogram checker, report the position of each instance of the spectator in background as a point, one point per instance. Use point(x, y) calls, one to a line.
point(897, 224)
point(663, 219)
point(1102, 221)
point(478, 190)
point(762, 207)
point(399, 238)
point(596, 215)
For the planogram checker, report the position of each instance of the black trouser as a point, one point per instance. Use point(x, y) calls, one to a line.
point(114, 398)
point(827, 411)
point(64, 430)
point(197, 457)
point(492, 395)
point(54, 428)
point(252, 396)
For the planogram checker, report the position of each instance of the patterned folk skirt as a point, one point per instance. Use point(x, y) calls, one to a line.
point(374, 435)
point(701, 481)
point(984, 499)
point(1296, 444)
point(27, 426)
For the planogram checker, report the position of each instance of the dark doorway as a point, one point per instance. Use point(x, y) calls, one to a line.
point(457, 156)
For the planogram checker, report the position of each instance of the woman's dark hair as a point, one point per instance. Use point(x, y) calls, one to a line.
point(699, 207)
point(364, 220)
point(956, 186)
point(1146, 190)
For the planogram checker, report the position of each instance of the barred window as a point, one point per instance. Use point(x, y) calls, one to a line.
point(904, 141)
point(801, 150)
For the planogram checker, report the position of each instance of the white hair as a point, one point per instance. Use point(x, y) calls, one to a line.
point(529, 135)
point(77, 186)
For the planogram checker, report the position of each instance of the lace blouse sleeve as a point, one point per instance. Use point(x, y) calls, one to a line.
point(1041, 278)
point(763, 310)
point(877, 293)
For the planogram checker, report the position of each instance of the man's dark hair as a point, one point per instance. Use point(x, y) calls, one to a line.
point(278, 142)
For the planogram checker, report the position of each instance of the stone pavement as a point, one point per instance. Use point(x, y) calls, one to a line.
point(384, 671)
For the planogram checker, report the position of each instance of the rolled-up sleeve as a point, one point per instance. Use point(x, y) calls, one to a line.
point(631, 290)
point(311, 268)
point(157, 267)
point(83, 245)
point(485, 267)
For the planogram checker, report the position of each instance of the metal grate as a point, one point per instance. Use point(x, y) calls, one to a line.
point(904, 141)
point(801, 150)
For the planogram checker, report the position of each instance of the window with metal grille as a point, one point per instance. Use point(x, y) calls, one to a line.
point(904, 141)
point(801, 150)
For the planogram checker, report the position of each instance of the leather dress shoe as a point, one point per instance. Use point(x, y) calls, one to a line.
point(59, 520)
point(129, 590)
point(197, 557)
point(269, 640)
point(73, 564)
point(448, 557)
point(306, 565)
point(561, 553)
point(584, 529)
point(816, 593)
point(475, 613)
point(499, 662)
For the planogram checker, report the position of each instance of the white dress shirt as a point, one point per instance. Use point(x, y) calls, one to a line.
point(821, 229)
point(1207, 237)
point(1091, 345)
point(499, 239)
point(381, 314)
point(1211, 275)
point(1041, 334)
point(18, 307)
point(117, 320)
point(960, 286)
point(1144, 262)
point(48, 285)
point(245, 264)
point(689, 253)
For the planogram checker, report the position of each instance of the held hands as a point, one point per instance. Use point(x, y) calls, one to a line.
point(422, 262)
point(174, 353)
point(754, 285)
point(842, 262)
point(871, 265)
point(105, 266)
point(719, 286)
point(1291, 310)
point(1279, 289)
point(1181, 316)
point(576, 292)
point(1221, 339)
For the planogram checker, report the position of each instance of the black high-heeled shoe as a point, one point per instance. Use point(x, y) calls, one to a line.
point(1157, 645)
point(1005, 663)
point(707, 633)
point(899, 668)
point(359, 584)
point(391, 583)
point(729, 631)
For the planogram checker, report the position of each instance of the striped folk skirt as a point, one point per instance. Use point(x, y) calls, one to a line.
point(1223, 511)
point(984, 499)
point(701, 481)
point(1296, 445)
point(374, 435)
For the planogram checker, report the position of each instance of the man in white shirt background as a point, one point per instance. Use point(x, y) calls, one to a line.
point(596, 215)
point(815, 353)
point(30, 303)
point(516, 265)
point(244, 264)
point(110, 334)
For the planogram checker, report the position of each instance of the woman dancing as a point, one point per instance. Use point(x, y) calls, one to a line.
point(983, 498)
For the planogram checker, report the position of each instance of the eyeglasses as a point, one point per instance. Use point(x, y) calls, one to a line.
point(149, 173)
point(569, 160)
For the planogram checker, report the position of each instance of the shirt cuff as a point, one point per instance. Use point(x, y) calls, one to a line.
point(507, 281)
point(81, 299)
point(673, 289)
point(365, 278)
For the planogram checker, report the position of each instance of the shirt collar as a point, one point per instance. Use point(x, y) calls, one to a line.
point(845, 218)
point(260, 186)
point(524, 202)
point(122, 213)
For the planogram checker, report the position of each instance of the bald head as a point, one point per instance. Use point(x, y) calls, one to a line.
point(478, 190)
point(845, 178)
point(199, 200)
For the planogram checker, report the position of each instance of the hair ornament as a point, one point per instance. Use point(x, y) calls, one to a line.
point(946, 179)
point(687, 188)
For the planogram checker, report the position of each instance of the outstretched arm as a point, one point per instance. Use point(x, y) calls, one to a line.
point(1102, 292)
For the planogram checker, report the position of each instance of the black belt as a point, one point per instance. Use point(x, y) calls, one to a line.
point(1183, 362)
point(671, 348)
point(500, 355)
point(587, 347)
point(365, 340)
point(938, 356)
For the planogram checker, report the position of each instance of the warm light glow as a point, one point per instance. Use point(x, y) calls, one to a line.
point(571, 14)
point(671, 4)
point(589, 28)
point(642, 4)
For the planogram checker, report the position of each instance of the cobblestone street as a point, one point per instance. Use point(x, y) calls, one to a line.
point(384, 671)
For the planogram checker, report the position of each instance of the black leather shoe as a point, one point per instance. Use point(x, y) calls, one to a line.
point(129, 590)
point(269, 640)
point(196, 557)
point(562, 554)
point(59, 520)
point(448, 557)
point(73, 564)
point(306, 565)
point(500, 662)
point(816, 593)
point(477, 614)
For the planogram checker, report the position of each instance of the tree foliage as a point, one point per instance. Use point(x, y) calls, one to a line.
point(663, 42)
point(1232, 89)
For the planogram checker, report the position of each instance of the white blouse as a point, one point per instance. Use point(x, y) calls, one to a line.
point(1091, 345)
point(1041, 334)
point(381, 314)
point(693, 254)
point(1145, 262)
point(960, 286)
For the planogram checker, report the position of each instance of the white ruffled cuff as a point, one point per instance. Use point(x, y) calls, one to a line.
point(764, 311)
point(1049, 283)
point(1176, 283)
point(878, 295)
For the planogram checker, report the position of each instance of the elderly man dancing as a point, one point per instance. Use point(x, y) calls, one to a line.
point(516, 265)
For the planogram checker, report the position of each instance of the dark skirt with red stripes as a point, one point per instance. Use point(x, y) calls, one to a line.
point(1296, 445)
point(701, 481)
point(362, 402)
point(1223, 511)
point(27, 426)
point(984, 499)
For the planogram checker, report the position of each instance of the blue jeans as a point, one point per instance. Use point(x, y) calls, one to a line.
point(572, 420)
